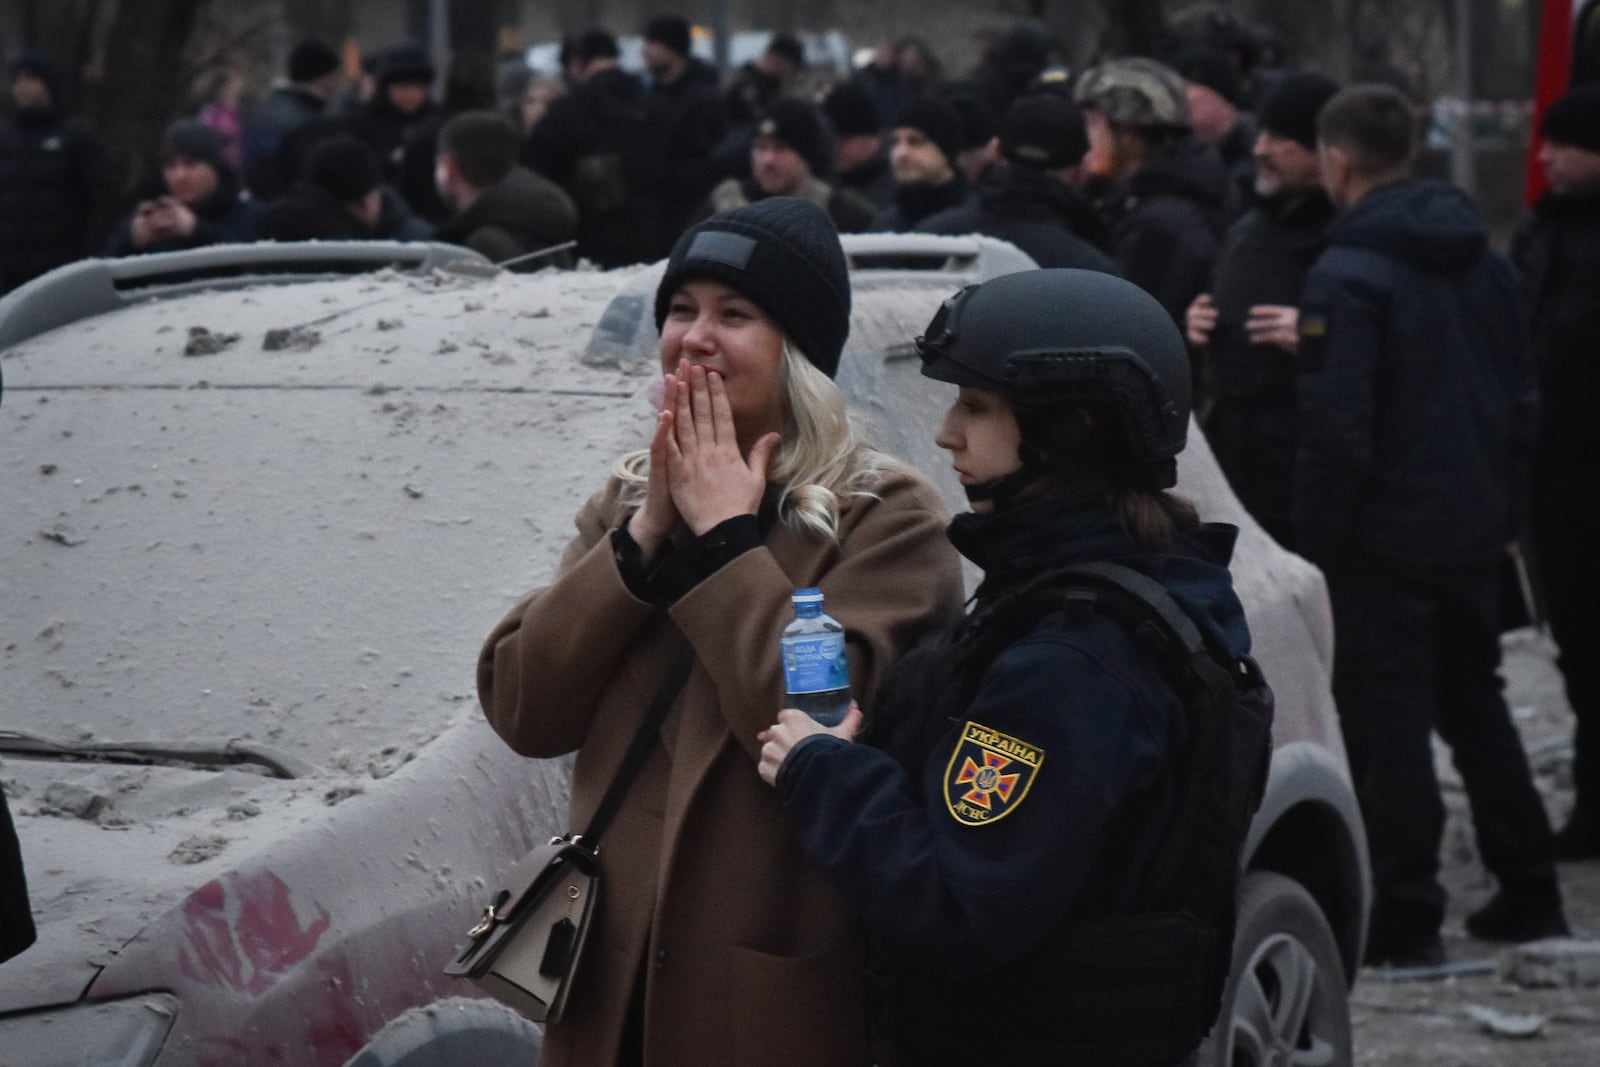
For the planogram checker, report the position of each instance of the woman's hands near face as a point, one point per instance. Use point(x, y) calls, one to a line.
point(779, 739)
point(710, 480)
point(652, 524)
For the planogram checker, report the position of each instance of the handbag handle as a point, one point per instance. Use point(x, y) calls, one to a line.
point(643, 741)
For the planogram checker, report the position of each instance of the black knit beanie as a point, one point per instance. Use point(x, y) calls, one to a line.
point(1574, 119)
point(798, 124)
point(193, 139)
point(851, 111)
point(310, 60)
point(1290, 109)
point(345, 167)
point(782, 253)
point(1044, 130)
point(936, 120)
point(1212, 68)
point(669, 30)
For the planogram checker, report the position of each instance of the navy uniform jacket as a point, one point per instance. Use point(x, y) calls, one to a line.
point(1417, 400)
point(965, 870)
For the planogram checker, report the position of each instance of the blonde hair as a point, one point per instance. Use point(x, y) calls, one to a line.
point(821, 460)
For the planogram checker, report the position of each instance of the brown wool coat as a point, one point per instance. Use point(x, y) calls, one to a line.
point(749, 955)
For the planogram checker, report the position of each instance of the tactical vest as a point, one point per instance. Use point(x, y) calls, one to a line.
point(1144, 987)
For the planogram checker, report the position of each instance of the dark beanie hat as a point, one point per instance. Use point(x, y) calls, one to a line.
point(193, 139)
point(936, 120)
point(977, 120)
point(1212, 68)
point(1044, 130)
point(851, 110)
point(789, 47)
point(1574, 119)
point(1290, 109)
point(798, 124)
point(345, 167)
point(310, 60)
point(782, 253)
point(669, 30)
point(405, 63)
point(37, 66)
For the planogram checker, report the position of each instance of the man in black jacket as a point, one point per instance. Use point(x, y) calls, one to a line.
point(1557, 251)
point(1416, 410)
point(686, 96)
point(922, 154)
point(1029, 197)
point(1247, 324)
point(603, 144)
point(269, 169)
point(50, 178)
point(501, 210)
point(1165, 190)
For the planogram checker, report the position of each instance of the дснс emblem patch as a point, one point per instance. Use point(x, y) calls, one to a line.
point(989, 774)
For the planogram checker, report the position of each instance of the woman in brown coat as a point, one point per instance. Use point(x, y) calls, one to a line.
point(717, 940)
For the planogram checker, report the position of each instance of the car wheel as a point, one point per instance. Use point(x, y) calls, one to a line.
point(1287, 1003)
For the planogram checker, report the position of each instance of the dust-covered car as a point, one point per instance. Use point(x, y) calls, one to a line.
point(261, 505)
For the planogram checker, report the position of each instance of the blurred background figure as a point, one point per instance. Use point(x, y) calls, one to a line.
point(313, 81)
point(686, 100)
point(1163, 192)
point(538, 93)
point(1557, 251)
point(923, 149)
point(603, 143)
point(402, 99)
point(791, 156)
point(497, 207)
point(1214, 88)
point(468, 86)
point(220, 108)
point(201, 202)
point(51, 194)
point(341, 198)
point(860, 153)
point(1030, 196)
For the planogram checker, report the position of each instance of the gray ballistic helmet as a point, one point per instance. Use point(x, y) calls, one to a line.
point(1047, 337)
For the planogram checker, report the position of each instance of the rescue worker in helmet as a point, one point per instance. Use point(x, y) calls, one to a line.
point(1043, 828)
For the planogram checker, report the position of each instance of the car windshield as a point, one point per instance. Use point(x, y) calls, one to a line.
point(281, 514)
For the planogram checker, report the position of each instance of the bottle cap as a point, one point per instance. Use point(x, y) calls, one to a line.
point(808, 596)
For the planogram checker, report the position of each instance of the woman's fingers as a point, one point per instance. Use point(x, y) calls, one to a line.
point(761, 454)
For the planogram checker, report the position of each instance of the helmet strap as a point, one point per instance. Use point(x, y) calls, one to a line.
point(1003, 490)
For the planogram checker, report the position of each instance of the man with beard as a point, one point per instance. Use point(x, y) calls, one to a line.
point(1247, 324)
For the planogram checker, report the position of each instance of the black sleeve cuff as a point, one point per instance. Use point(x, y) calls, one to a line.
point(630, 565)
point(704, 556)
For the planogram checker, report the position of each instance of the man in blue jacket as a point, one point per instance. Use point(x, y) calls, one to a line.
point(1416, 416)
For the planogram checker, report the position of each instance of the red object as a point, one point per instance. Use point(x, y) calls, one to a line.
point(1552, 73)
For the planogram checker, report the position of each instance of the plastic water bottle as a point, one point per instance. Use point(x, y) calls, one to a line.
point(815, 670)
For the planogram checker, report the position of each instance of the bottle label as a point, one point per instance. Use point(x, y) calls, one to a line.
point(815, 663)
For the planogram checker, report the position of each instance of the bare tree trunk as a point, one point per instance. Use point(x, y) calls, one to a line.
point(144, 80)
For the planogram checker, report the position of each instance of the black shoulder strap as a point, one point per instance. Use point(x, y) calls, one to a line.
point(643, 741)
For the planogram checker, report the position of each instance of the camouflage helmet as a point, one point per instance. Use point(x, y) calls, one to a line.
point(1135, 92)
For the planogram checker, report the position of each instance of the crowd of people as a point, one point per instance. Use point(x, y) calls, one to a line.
point(1389, 396)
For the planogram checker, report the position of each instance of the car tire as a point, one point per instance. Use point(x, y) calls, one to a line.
point(1287, 1001)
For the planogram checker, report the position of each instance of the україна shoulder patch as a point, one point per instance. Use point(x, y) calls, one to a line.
point(989, 775)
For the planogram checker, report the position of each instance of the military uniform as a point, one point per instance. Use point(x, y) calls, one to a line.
point(988, 844)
